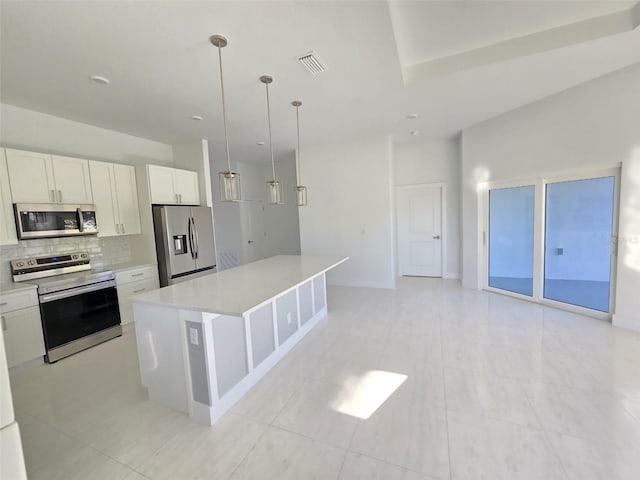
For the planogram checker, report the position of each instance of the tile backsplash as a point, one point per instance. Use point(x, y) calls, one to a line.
point(103, 251)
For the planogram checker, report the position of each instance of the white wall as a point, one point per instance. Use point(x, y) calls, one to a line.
point(272, 229)
point(29, 130)
point(436, 161)
point(349, 210)
point(592, 125)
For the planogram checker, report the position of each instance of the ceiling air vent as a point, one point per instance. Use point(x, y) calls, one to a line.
point(312, 62)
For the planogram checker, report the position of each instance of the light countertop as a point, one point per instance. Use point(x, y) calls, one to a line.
point(11, 287)
point(121, 267)
point(237, 290)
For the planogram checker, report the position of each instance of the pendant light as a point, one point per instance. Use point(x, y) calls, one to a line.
point(229, 180)
point(301, 190)
point(274, 187)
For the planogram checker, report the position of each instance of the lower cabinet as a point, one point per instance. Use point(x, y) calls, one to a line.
point(23, 338)
point(133, 282)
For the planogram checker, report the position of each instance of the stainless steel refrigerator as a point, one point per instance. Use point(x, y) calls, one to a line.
point(184, 242)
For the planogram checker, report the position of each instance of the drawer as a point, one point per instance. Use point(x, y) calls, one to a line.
point(128, 290)
point(17, 300)
point(149, 272)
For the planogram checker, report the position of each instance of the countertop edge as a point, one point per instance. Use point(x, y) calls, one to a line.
point(176, 306)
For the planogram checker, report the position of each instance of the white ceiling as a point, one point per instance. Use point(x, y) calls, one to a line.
point(163, 69)
point(430, 30)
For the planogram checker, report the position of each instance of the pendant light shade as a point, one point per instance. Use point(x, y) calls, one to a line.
point(274, 187)
point(301, 195)
point(229, 181)
point(274, 192)
point(301, 190)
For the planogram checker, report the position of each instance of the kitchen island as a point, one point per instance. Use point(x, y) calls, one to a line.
point(203, 343)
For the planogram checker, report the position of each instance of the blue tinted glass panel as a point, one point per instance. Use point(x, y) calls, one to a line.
point(578, 227)
point(511, 222)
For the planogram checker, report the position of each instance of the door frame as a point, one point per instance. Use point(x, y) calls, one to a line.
point(539, 233)
point(443, 224)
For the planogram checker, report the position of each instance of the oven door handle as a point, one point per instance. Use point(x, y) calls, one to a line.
point(72, 292)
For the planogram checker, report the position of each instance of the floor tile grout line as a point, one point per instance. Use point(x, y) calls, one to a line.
point(545, 433)
point(446, 409)
point(88, 445)
point(248, 453)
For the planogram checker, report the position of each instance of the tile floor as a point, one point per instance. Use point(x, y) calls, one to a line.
point(495, 388)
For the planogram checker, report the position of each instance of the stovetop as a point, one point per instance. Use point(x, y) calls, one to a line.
point(71, 280)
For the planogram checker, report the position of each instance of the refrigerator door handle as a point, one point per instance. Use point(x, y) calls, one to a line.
point(197, 239)
point(191, 246)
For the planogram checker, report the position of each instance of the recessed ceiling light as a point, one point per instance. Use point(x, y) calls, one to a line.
point(414, 132)
point(100, 79)
point(196, 117)
point(260, 143)
point(412, 116)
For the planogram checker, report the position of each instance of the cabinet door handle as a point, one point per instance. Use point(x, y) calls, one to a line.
point(60, 196)
point(123, 230)
point(137, 274)
point(138, 291)
point(177, 200)
point(180, 195)
point(53, 195)
point(3, 304)
point(4, 323)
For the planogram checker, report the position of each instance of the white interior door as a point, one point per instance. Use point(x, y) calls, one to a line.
point(419, 216)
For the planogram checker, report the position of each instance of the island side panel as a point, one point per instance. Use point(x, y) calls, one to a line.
point(287, 315)
point(159, 334)
point(262, 335)
point(305, 294)
point(230, 350)
point(319, 293)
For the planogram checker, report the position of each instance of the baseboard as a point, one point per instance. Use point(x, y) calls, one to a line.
point(451, 276)
point(625, 322)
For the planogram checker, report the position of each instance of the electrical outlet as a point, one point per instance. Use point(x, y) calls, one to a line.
point(289, 317)
point(193, 336)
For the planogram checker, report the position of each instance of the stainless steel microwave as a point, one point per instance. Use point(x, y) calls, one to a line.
point(49, 220)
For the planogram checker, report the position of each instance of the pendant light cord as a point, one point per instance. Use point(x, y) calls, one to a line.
point(298, 156)
point(273, 167)
point(224, 111)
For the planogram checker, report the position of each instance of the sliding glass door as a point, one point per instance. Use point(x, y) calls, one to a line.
point(511, 239)
point(578, 230)
point(550, 240)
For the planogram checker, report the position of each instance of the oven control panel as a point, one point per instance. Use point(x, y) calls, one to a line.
point(29, 268)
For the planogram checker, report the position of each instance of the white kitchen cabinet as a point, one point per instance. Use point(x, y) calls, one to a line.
point(11, 456)
point(173, 186)
point(7, 224)
point(186, 187)
point(131, 282)
point(21, 326)
point(115, 196)
point(43, 178)
point(30, 176)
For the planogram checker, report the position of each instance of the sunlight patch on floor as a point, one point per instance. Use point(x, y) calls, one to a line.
point(363, 394)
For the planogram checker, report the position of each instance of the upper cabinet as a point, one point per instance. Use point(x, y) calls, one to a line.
point(116, 198)
point(7, 225)
point(172, 186)
point(44, 178)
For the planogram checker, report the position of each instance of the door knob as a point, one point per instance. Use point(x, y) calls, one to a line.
point(436, 237)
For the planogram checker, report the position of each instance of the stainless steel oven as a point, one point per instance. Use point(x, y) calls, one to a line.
point(78, 310)
point(45, 220)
